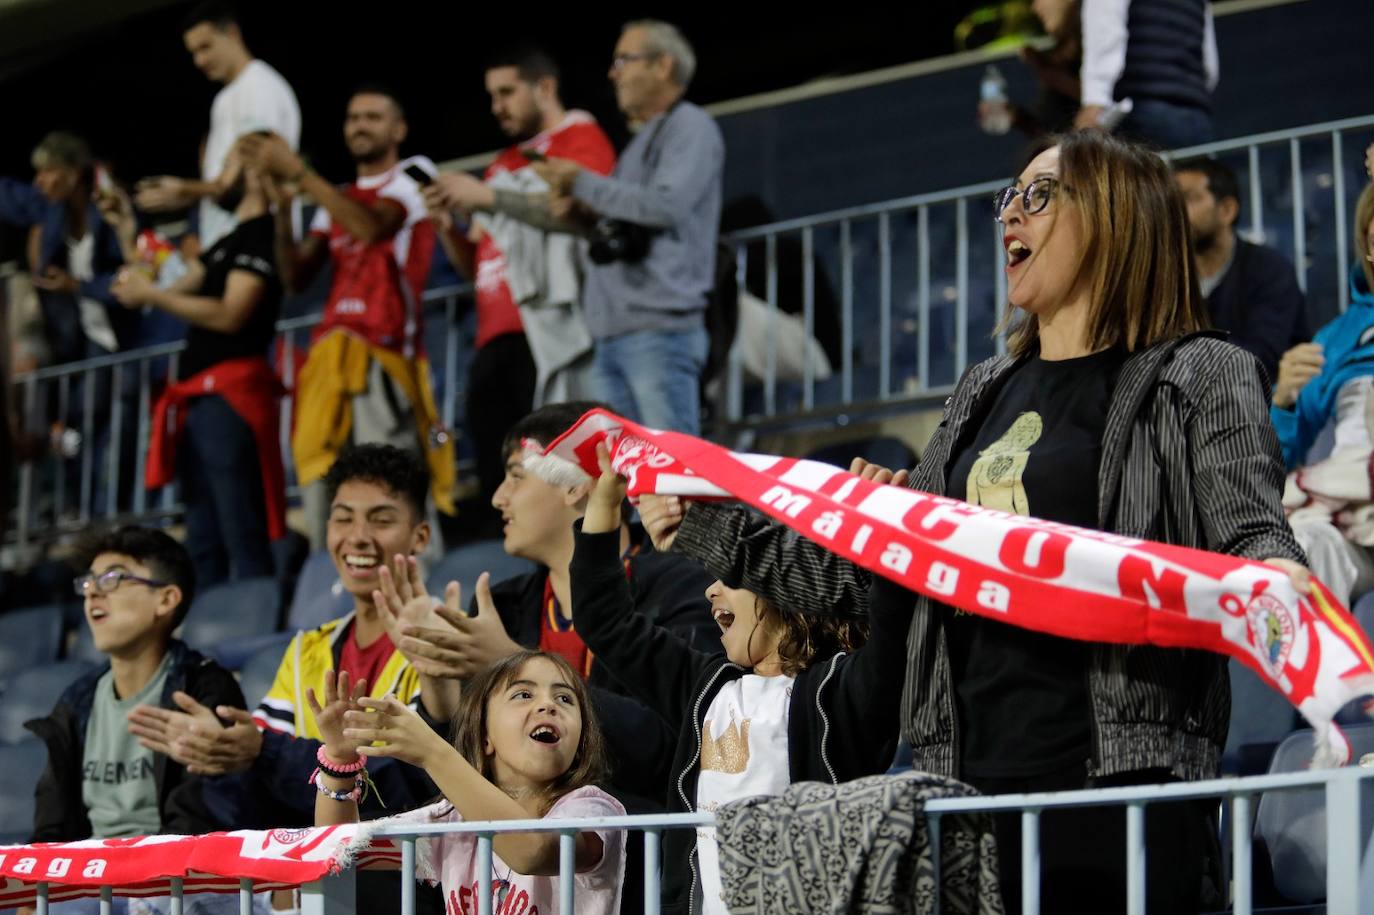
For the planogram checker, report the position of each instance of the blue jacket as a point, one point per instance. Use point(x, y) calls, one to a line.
point(59, 811)
point(1348, 345)
point(23, 205)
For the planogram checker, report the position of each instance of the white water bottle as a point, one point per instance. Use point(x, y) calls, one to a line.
point(994, 109)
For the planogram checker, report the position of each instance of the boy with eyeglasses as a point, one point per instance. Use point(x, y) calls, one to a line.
point(101, 780)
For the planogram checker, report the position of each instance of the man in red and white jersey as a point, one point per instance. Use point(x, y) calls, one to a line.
point(366, 378)
point(532, 344)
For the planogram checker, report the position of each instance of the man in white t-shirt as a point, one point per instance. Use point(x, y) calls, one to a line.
point(255, 98)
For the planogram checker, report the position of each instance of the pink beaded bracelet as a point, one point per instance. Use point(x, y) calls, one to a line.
point(356, 795)
point(338, 770)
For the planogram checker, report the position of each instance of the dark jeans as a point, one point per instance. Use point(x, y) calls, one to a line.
point(1166, 125)
point(1083, 850)
point(500, 393)
point(221, 484)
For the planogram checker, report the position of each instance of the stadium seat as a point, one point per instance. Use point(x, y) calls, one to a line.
point(1261, 717)
point(257, 673)
point(1364, 613)
point(319, 596)
point(316, 577)
point(81, 647)
point(1292, 824)
point(467, 562)
point(34, 695)
point(233, 610)
point(29, 637)
point(23, 763)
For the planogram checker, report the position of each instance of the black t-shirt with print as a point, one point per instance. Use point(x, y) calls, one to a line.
point(249, 247)
point(1022, 696)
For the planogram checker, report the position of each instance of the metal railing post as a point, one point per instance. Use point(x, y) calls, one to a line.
point(1030, 862)
point(1338, 190)
point(1299, 218)
point(1343, 843)
point(407, 877)
point(1242, 858)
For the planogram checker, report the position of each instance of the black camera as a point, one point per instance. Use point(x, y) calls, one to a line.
point(616, 240)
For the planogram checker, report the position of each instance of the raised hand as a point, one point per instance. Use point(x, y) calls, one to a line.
point(1298, 366)
point(603, 505)
point(461, 645)
point(877, 473)
point(402, 598)
point(163, 193)
point(661, 517)
point(401, 733)
point(339, 700)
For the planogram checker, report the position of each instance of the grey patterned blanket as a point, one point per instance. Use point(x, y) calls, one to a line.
point(863, 846)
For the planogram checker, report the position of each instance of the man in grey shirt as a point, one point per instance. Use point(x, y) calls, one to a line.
point(653, 251)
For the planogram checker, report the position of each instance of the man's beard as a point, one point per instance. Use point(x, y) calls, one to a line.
point(525, 130)
point(372, 152)
point(1203, 242)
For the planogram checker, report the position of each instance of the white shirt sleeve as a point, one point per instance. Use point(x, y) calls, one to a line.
point(1211, 62)
point(320, 222)
point(266, 102)
point(1104, 49)
point(404, 190)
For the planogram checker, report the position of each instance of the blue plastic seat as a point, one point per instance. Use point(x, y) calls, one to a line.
point(29, 637)
point(1292, 824)
point(1261, 717)
point(319, 596)
point(467, 562)
point(34, 694)
point(22, 764)
point(234, 610)
point(258, 672)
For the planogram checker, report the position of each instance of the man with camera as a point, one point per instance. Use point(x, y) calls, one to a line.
point(653, 245)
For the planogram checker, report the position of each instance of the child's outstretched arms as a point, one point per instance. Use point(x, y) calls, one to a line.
point(404, 735)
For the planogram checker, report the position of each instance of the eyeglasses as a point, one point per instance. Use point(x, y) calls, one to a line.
point(1034, 198)
point(106, 582)
point(620, 61)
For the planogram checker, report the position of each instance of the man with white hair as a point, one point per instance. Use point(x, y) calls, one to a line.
point(657, 220)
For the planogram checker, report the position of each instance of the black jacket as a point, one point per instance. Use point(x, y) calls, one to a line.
point(59, 813)
point(669, 590)
point(844, 713)
point(1259, 303)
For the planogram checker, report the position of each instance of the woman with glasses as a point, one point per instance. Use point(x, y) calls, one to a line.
point(1113, 410)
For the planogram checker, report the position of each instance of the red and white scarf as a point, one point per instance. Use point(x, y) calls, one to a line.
point(213, 863)
point(1049, 577)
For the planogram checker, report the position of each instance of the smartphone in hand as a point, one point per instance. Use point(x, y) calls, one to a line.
point(420, 175)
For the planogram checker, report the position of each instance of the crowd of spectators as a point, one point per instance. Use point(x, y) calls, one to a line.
point(695, 654)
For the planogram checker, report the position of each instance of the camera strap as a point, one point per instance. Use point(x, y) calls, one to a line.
point(651, 148)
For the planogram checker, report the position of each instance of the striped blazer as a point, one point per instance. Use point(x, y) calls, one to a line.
point(1189, 457)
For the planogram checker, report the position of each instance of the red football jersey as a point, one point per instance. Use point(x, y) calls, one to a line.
point(376, 289)
point(577, 138)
